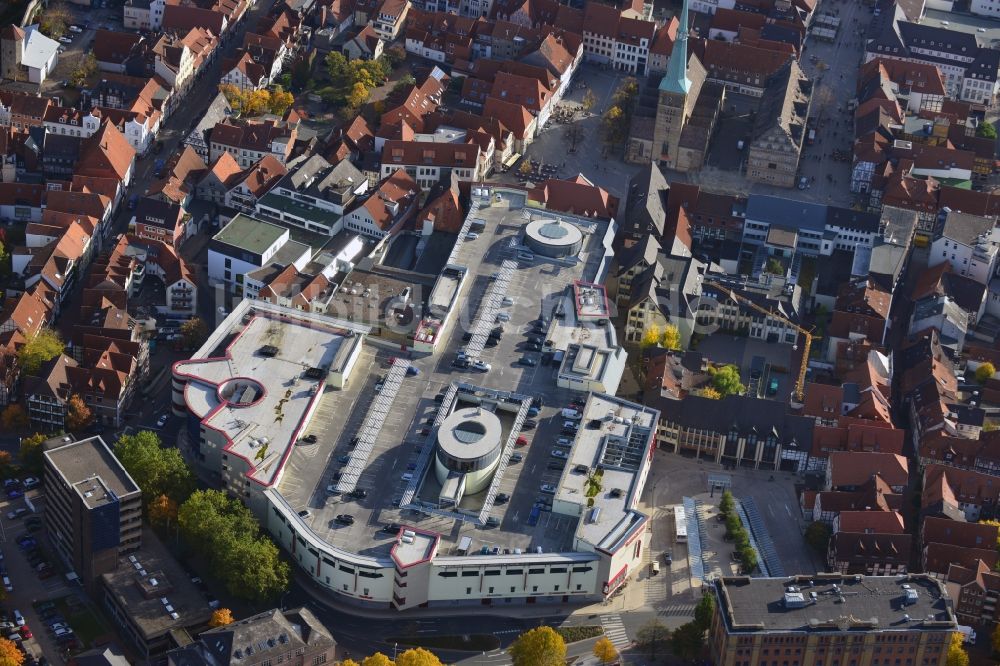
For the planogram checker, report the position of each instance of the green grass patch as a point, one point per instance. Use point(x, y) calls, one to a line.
point(469, 643)
point(87, 625)
point(581, 633)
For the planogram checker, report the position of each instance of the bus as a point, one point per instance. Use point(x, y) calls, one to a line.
point(680, 524)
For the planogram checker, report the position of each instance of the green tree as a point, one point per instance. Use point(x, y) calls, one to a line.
point(986, 130)
point(605, 650)
point(4, 261)
point(704, 611)
point(301, 74)
point(748, 558)
point(157, 470)
point(726, 503)
point(687, 641)
point(403, 84)
point(395, 56)
point(31, 453)
point(957, 656)
point(226, 535)
point(45, 346)
point(726, 380)
point(995, 639)
point(671, 337)
point(818, 536)
point(653, 637)
point(984, 372)
point(418, 657)
point(194, 331)
point(541, 646)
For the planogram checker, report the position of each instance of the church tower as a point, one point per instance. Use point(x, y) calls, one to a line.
point(676, 99)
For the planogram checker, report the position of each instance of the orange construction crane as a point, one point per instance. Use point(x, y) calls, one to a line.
point(806, 347)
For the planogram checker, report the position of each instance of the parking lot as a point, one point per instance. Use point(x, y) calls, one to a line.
point(312, 468)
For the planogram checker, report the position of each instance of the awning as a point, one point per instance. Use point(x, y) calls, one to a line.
point(509, 162)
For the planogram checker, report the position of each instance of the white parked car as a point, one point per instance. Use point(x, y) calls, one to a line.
point(548, 489)
point(75, 28)
point(556, 453)
point(65, 40)
point(18, 618)
point(482, 366)
point(162, 421)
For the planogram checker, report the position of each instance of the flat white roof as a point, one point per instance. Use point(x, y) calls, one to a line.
point(620, 446)
point(257, 391)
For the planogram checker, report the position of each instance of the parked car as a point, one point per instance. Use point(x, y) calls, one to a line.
point(502, 498)
point(556, 453)
point(530, 362)
point(31, 483)
point(482, 366)
point(65, 40)
point(358, 493)
point(18, 618)
point(16, 513)
point(345, 519)
point(548, 489)
point(75, 28)
point(162, 421)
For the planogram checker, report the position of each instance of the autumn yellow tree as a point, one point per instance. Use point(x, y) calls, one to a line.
point(221, 617)
point(78, 415)
point(359, 95)
point(162, 511)
point(605, 650)
point(671, 337)
point(348, 662)
point(957, 656)
point(651, 336)
point(377, 659)
point(9, 654)
point(236, 97)
point(418, 657)
point(14, 417)
point(995, 639)
point(280, 101)
point(541, 646)
point(984, 372)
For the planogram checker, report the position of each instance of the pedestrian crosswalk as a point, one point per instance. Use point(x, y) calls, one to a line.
point(614, 629)
point(677, 610)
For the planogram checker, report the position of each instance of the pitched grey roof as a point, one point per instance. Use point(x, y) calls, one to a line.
point(784, 212)
point(785, 103)
point(965, 228)
point(646, 208)
point(646, 250)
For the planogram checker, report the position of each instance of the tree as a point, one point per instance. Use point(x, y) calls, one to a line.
point(653, 636)
point(818, 536)
point(301, 73)
point(45, 346)
point(9, 654)
point(194, 332)
point(984, 372)
point(704, 611)
point(377, 659)
point(709, 392)
point(236, 97)
point(986, 130)
point(748, 557)
point(574, 134)
point(224, 532)
point(4, 261)
point(605, 650)
point(614, 125)
point(395, 56)
point(541, 646)
point(358, 96)
point(726, 503)
point(258, 102)
point(403, 84)
point(589, 101)
point(348, 662)
point(957, 656)
point(774, 266)
point(995, 639)
point(162, 511)
point(78, 415)
point(726, 380)
point(86, 67)
point(671, 337)
point(31, 452)
point(651, 336)
point(418, 657)
point(157, 470)
point(55, 20)
point(281, 100)
point(221, 617)
point(994, 523)
point(14, 417)
point(687, 641)
point(525, 167)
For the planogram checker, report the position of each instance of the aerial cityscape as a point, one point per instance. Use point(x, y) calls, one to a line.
point(674, 323)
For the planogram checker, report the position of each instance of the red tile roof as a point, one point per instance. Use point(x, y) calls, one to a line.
point(853, 468)
point(577, 196)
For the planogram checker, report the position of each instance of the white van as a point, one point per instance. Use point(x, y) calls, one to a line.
point(7, 585)
point(654, 568)
point(568, 413)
